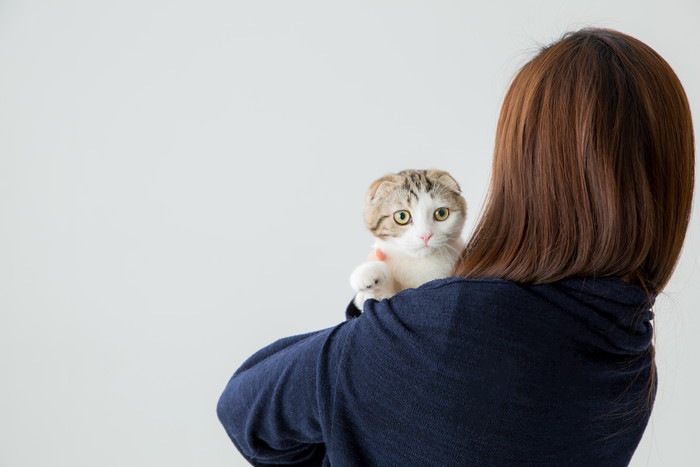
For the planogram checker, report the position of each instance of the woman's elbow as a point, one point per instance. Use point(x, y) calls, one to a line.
point(233, 419)
point(222, 408)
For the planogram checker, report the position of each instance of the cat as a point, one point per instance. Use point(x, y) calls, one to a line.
point(417, 217)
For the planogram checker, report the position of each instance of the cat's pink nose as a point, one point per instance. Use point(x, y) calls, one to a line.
point(426, 236)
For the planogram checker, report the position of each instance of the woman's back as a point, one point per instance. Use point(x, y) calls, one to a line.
point(459, 372)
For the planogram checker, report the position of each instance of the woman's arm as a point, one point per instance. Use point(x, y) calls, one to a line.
point(275, 406)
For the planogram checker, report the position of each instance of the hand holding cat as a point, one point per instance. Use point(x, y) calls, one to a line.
point(376, 255)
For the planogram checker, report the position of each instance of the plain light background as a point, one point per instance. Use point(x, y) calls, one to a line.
point(181, 184)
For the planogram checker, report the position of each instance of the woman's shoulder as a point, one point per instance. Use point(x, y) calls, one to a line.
point(607, 312)
point(606, 291)
point(461, 294)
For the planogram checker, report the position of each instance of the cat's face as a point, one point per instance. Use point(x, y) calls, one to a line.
point(416, 212)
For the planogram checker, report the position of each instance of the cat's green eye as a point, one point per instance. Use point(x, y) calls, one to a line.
point(441, 214)
point(402, 217)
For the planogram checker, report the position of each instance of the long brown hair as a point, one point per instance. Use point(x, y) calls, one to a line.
point(593, 168)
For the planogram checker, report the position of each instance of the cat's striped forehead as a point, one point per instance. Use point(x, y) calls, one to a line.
point(416, 181)
point(410, 183)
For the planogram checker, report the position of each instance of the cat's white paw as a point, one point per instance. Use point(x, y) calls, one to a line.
point(369, 275)
point(371, 280)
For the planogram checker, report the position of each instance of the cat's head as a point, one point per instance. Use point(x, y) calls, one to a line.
point(416, 212)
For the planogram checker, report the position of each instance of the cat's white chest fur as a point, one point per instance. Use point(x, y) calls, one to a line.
point(411, 272)
point(400, 271)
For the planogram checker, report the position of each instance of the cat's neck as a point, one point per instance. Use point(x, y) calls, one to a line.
point(412, 270)
point(448, 252)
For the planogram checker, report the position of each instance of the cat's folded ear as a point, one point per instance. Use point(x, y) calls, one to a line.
point(382, 186)
point(445, 179)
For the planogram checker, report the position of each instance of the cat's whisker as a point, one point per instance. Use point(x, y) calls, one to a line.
point(446, 247)
point(455, 249)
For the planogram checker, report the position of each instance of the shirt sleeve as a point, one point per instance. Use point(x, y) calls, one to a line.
point(276, 405)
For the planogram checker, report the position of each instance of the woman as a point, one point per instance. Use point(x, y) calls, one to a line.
point(539, 350)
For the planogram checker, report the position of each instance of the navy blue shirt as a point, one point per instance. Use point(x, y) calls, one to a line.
point(458, 372)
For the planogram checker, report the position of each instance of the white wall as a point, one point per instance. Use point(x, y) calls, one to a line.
point(181, 183)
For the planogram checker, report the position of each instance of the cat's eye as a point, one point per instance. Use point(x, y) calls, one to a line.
point(441, 214)
point(402, 217)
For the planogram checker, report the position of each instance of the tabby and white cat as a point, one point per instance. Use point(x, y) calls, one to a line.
point(417, 217)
